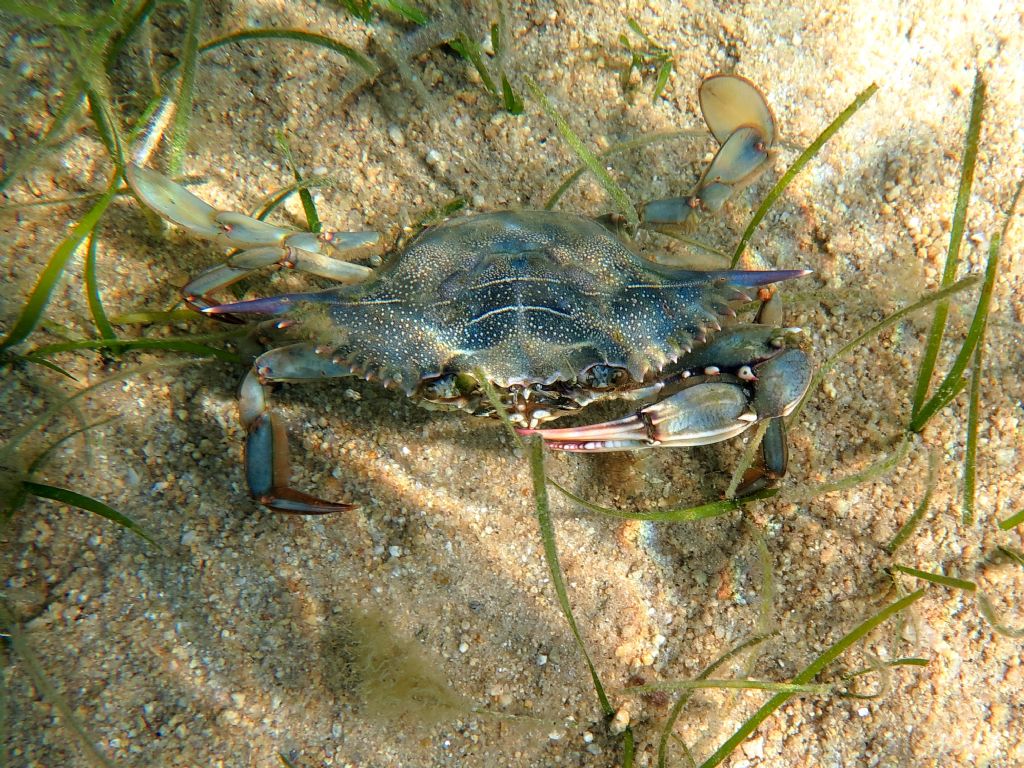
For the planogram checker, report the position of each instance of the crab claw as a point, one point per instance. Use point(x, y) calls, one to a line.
point(705, 413)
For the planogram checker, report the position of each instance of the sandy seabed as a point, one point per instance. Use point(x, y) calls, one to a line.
point(251, 635)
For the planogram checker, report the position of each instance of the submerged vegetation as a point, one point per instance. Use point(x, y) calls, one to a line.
point(395, 678)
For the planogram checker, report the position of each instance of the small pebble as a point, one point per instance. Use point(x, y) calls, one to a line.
point(395, 134)
point(754, 748)
point(620, 722)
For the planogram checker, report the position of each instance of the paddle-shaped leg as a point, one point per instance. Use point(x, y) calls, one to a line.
point(739, 118)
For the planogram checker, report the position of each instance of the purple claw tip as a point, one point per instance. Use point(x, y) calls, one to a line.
point(271, 305)
point(755, 279)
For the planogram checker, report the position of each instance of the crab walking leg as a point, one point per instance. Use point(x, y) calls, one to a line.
point(267, 466)
point(263, 244)
point(741, 120)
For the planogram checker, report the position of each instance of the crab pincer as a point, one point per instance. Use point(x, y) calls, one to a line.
point(756, 377)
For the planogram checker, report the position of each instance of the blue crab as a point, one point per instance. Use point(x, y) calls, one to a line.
point(552, 310)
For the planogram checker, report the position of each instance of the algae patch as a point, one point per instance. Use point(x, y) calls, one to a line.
point(393, 678)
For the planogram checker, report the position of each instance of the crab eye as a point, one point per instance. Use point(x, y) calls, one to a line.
point(601, 376)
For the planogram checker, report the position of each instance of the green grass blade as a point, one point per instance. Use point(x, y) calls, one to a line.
point(514, 104)
point(308, 207)
point(988, 612)
point(45, 454)
point(12, 499)
point(87, 503)
point(496, 35)
point(615, 149)
point(681, 702)
point(746, 460)
point(937, 578)
point(664, 73)
point(438, 215)
point(954, 380)
point(469, 49)
point(45, 364)
point(908, 528)
point(155, 317)
point(72, 100)
point(105, 120)
point(41, 681)
point(33, 308)
point(361, 9)
point(1013, 555)
point(766, 597)
point(47, 14)
point(883, 466)
point(8, 448)
point(275, 201)
point(296, 36)
point(809, 673)
point(100, 118)
point(805, 157)
point(547, 533)
point(971, 450)
point(94, 53)
point(956, 234)
point(184, 345)
point(88, 52)
point(733, 685)
point(618, 195)
point(491, 392)
point(974, 401)
point(186, 90)
point(404, 10)
point(910, 661)
point(678, 515)
point(1012, 521)
point(92, 292)
point(895, 317)
point(129, 26)
point(70, 106)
